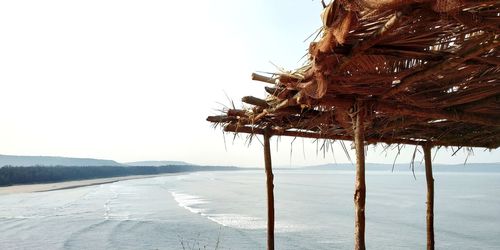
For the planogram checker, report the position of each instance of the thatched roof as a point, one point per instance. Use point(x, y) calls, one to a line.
point(426, 71)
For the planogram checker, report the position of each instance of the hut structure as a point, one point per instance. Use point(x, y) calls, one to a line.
point(418, 72)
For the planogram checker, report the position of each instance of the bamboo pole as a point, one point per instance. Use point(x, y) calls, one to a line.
point(270, 192)
point(360, 186)
point(430, 196)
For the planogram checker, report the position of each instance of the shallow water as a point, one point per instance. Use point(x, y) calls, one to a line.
point(227, 210)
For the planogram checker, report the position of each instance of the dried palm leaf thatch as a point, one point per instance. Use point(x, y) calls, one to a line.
point(428, 71)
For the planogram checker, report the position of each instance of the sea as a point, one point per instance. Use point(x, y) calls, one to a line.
point(227, 210)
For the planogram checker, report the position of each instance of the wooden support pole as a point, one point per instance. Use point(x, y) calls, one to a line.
point(360, 186)
point(430, 196)
point(270, 192)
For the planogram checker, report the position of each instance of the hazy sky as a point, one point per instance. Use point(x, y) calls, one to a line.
point(135, 80)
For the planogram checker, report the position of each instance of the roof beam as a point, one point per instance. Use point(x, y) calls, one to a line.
point(406, 110)
point(311, 135)
point(394, 109)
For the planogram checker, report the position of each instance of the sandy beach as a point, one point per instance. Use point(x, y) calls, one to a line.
point(45, 187)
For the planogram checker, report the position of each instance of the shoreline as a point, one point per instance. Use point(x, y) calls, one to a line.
point(47, 187)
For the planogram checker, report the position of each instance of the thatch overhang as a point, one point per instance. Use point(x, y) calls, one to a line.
point(425, 71)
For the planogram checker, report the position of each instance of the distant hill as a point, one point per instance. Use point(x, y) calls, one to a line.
point(157, 163)
point(25, 161)
point(469, 167)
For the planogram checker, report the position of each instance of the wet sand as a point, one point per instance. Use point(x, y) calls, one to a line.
point(45, 187)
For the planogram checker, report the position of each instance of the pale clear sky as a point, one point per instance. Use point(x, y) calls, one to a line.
point(134, 80)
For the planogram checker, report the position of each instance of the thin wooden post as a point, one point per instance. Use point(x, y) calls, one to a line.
point(430, 196)
point(270, 192)
point(360, 186)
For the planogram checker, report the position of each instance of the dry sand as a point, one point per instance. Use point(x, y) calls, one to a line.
point(67, 184)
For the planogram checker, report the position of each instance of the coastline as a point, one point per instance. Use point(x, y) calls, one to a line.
point(46, 187)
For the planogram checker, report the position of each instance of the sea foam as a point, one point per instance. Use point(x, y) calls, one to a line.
point(194, 204)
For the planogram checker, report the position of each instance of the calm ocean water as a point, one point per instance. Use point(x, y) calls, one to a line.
point(314, 210)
